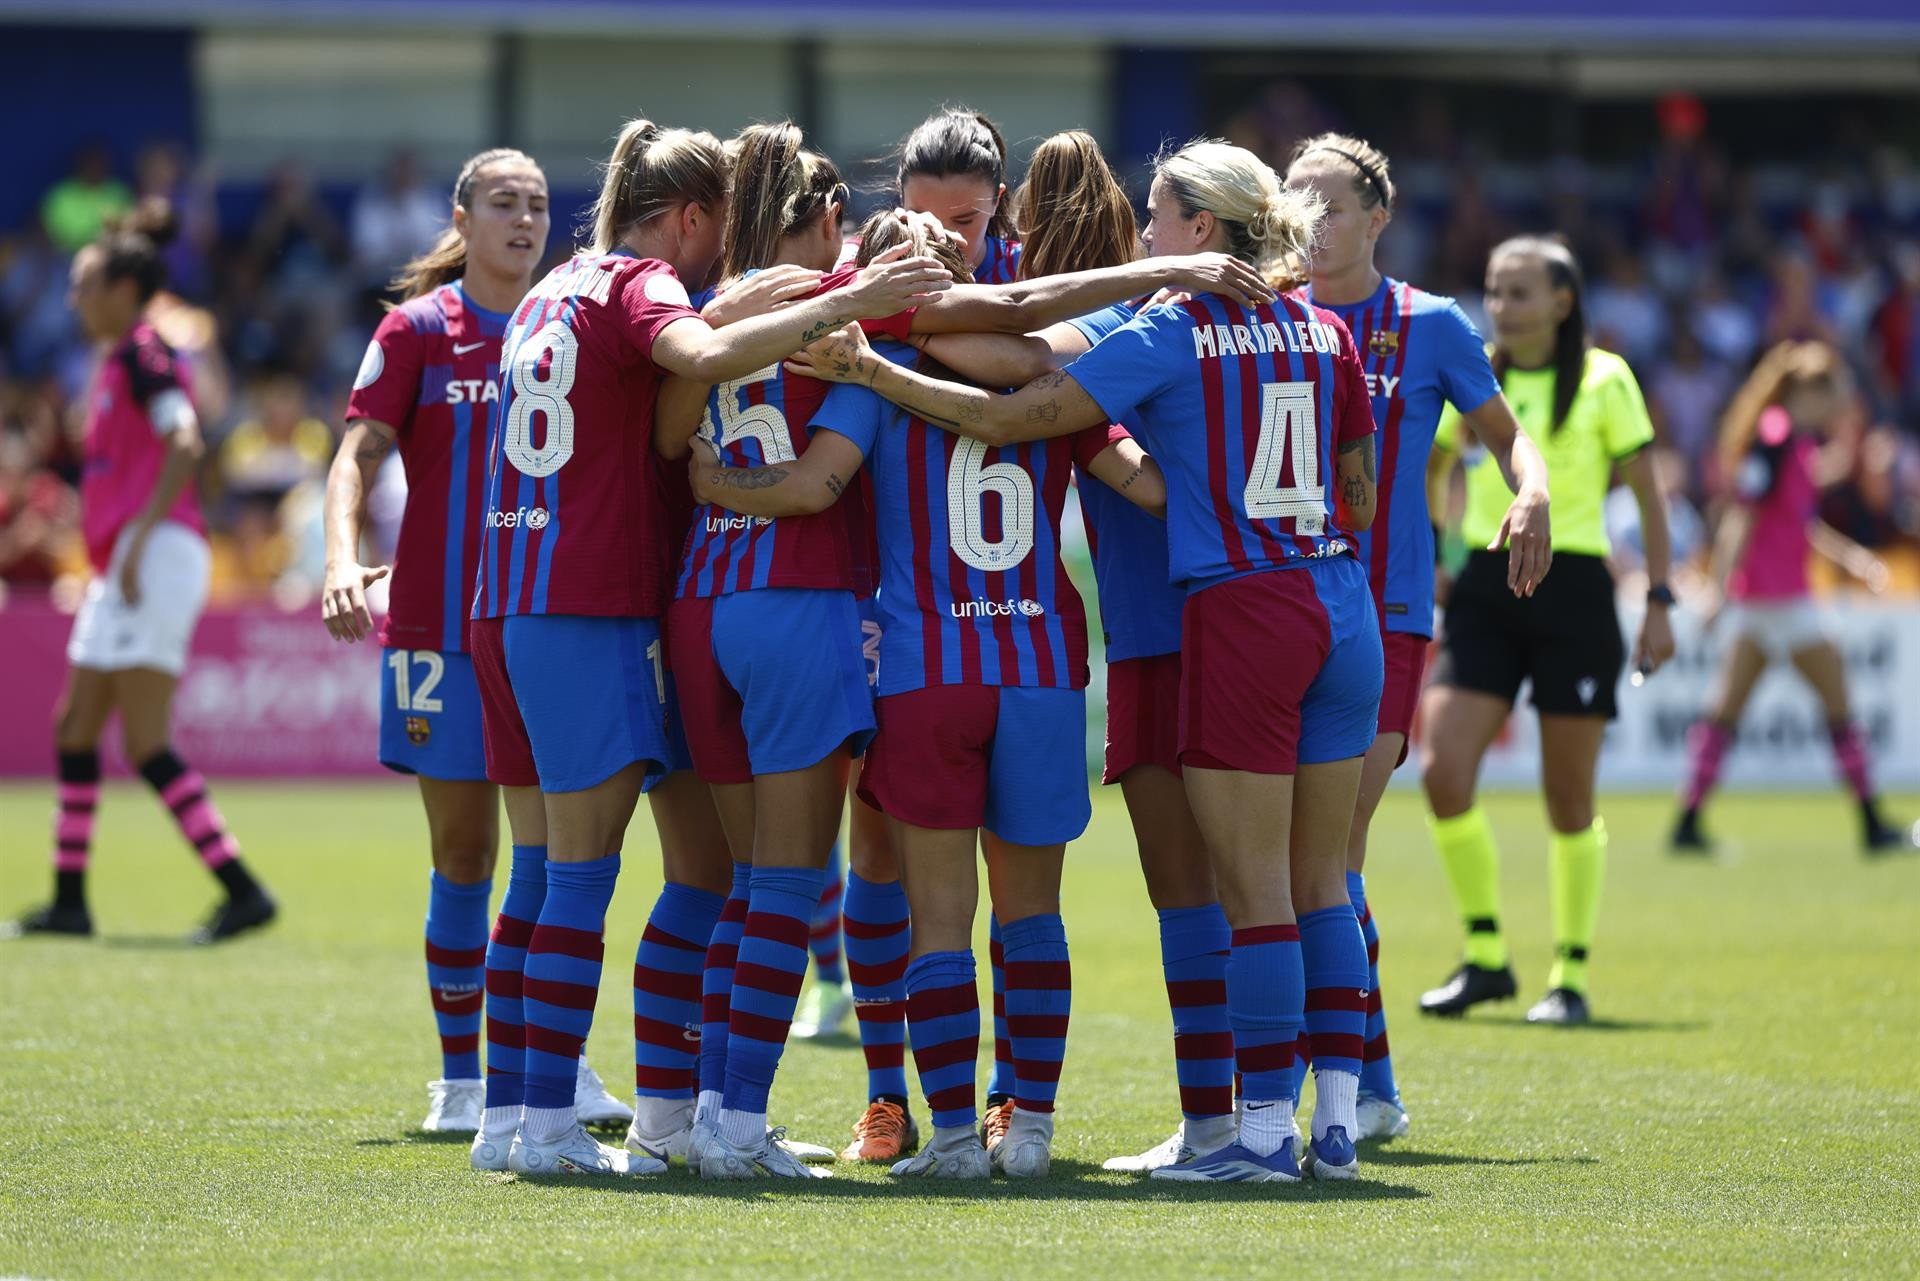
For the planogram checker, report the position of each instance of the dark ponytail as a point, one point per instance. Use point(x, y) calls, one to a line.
point(1570, 340)
point(131, 246)
point(959, 140)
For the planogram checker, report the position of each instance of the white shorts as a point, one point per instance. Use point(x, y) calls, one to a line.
point(110, 635)
point(1781, 628)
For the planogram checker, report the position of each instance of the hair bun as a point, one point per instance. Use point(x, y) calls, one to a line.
point(152, 218)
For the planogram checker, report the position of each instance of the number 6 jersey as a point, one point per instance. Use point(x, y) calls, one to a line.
point(574, 522)
point(972, 591)
point(1244, 410)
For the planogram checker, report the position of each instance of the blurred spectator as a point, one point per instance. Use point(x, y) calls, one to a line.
point(277, 447)
point(1895, 341)
point(394, 219)
point(1685, 528)
point(1627, 314)
point(1685, 398)
point(295, 243)
point(161, 170)
point(79, 204)
point(39, 516)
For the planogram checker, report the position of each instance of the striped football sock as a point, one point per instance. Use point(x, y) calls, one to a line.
point(78, 797)
point(562, 983)
point(943, 1019)
point(1266, 993)
point(456, 971)
point(1334, 961)
point(666, 991)
point(716, 991)
point(1376, 1066)
point(766, 987)
point(1039, 1002)
point(823, 932)
point(878, 936)
point(1000, 1081)
point(1193, 956)
point(506, 970)
point(183, 791)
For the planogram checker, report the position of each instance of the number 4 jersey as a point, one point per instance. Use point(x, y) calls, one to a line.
point(574, 521)
point(1244, 410)
point(972, 590)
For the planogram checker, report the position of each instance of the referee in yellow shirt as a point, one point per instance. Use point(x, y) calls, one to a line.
point(1584, 411)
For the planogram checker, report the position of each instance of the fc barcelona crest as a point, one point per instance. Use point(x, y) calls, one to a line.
point(419, 730)
point(1384, 342)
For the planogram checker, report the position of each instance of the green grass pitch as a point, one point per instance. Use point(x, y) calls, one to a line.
point(1748, 1105)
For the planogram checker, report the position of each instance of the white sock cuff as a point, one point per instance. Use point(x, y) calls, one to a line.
point(544, 1125)
point(1336, 1097)
point(742, 1129)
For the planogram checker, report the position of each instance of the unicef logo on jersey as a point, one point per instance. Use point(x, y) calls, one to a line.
point(519, 517)
point(997, 608)
point(371, 366)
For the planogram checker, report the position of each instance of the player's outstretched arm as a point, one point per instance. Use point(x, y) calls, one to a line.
point(1855, 558)
point(810, 483)
point(1527, 530)
point(1006, 360)
point(343, 598)
point(1358, 486)
point(1051, 405)
point(1130, 471)
point(1026, 305)
point(891, 284)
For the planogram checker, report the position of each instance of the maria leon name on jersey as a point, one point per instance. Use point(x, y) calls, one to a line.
point(1298, 336)
point(473, 391)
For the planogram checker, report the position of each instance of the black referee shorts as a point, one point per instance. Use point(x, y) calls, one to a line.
point(1565, 638)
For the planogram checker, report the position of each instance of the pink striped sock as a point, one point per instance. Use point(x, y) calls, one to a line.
point(199, 819)
point(1850, 754)
point(73, 826)
point(1707, 743)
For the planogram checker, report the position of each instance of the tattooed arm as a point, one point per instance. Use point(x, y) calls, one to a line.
point(810, 483)
point(1051, 405)
point(889, 285)
point(343, 600)
point(1131, 472)
point(1358, 488)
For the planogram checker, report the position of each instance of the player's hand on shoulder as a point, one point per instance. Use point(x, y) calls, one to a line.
point(774, 289)
point(1217, 273)
point(841, 357)
point(894, 281)
point(343, 600)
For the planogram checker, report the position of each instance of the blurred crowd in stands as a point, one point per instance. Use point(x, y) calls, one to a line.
point(1695, 266)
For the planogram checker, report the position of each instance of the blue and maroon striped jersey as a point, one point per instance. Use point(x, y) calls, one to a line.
point(1419, 351)
point(575, 517)
point(1139, 606)
point(1001, 263)
point(767, 418)
point(1244, 409)
point(972, 590)
point(432, 373)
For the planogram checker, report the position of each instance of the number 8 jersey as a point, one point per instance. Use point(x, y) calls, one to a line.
point(574, 521)
point(1244, 410)
point(972, 590)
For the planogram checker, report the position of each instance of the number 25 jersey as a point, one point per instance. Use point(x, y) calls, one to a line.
point(1245, 411)
point(972, 591)
point(574, 520)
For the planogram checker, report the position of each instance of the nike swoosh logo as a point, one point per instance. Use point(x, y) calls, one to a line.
point(461, 349)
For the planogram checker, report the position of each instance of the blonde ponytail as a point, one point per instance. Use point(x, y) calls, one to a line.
point(1268, 225)
point(652, 169)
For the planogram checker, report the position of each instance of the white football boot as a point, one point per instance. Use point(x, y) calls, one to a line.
point(492, 1144)
point(720, 1159)
point(1381, 1118)
point(661, 1129)
point(454, 1107)
point(593, 1103)
point(1027, 1150)
point(576, 1152)
point(954, 1152)
point(1176, 1148)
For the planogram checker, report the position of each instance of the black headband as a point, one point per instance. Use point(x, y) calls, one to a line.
point(1366, 171)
